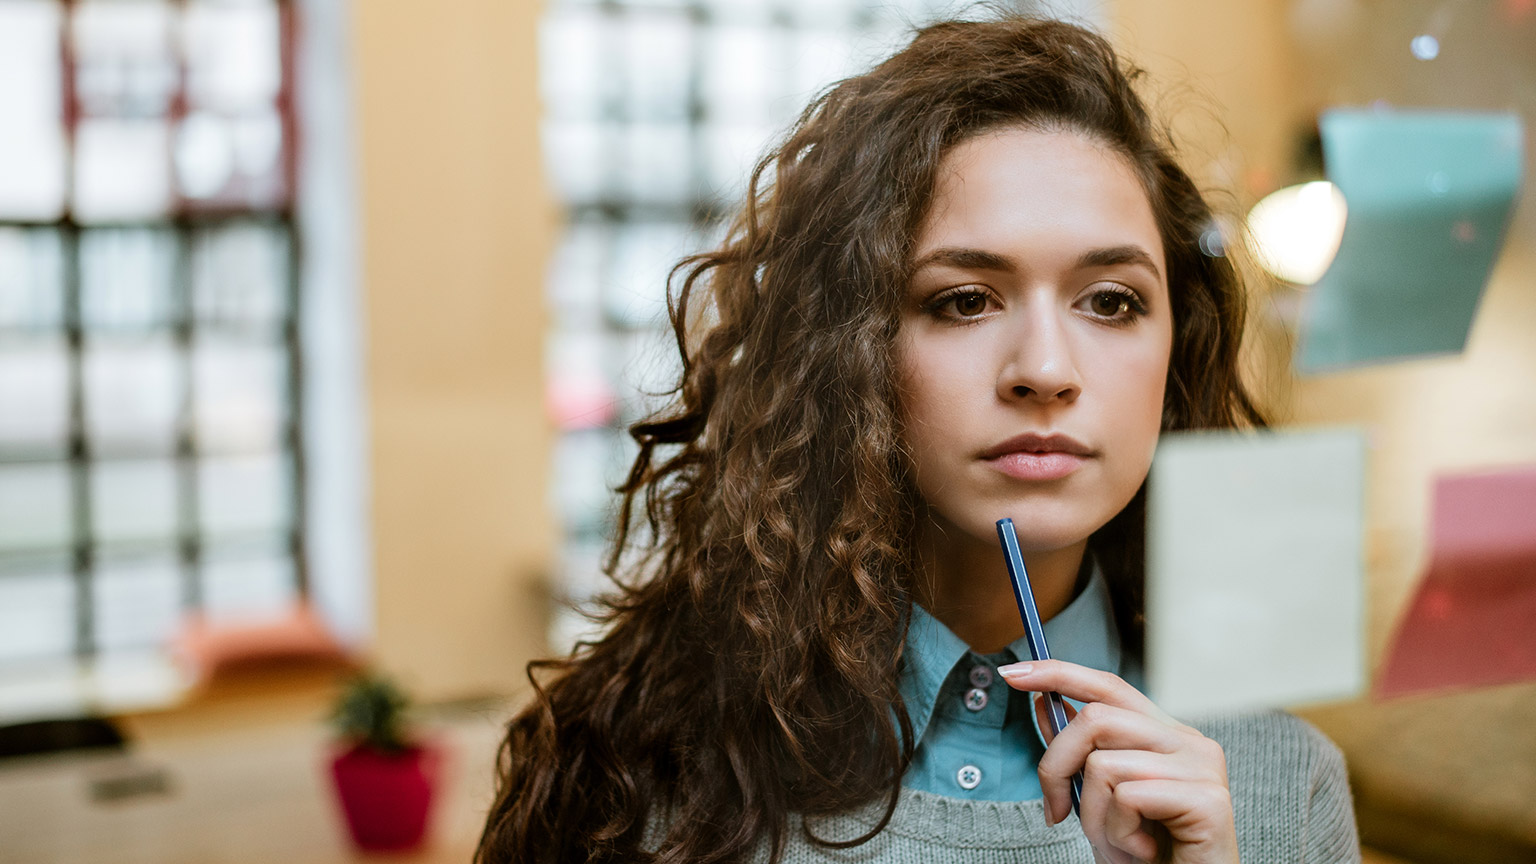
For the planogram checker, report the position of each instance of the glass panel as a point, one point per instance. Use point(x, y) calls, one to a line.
point(659, 163)
point(239, 396)
point(738, 81)
point(574, 155)
point(35, 506)
point(658, 49)
point(127, 277)
point(646, 366)
point(31, 274)
point(124, 60)
point(586, 466)
point(821, 57)
point(250, 583)
point(573, 285)
point(138, 602)
point(643, 254)
point(231, 160)
point(571, 64)
point(580, 394)
point(122, 170)
point(37, 615)
point(134, 500)
point(240, 276)
point(244, 495)
point(32, 153)
point(132, 395)
point(234, 54)
point(34, 397)
point(730, 151)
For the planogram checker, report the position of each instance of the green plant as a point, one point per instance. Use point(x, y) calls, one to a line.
point(371, 713)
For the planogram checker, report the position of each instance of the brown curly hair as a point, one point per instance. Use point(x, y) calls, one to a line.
point(750, 663)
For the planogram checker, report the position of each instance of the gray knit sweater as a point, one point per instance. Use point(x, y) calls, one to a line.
point(1290, 800)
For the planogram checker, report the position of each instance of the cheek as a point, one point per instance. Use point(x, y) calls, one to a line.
point(1140, 384)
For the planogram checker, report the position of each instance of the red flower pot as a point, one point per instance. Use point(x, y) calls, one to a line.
point(387, 797)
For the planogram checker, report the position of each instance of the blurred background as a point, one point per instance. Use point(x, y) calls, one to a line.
point(321, 322)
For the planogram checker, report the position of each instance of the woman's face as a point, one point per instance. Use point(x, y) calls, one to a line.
point(1034, 339)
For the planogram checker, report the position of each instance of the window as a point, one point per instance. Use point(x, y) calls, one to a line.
point(151, 458)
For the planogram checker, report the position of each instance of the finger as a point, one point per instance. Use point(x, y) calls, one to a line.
point(1043, 715)
point(1192, 813)
point(1098, 811)
point(1081, 683)
point(1101, 730)
point(1125, 830)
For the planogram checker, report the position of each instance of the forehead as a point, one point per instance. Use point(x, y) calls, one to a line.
point(1035, 191)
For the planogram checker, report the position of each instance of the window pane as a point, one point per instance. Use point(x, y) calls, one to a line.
point(659, 163)
point(248, 583)
point(571, 63)
point(244, 495)
point(133, 500)
point(37, 615)
point(35, 506)
point(643, 253)
point(31, 286)
point(32, 148)
point(240, 276)
point(240, 396)
point(234, 54)
point(138, 602)
point(657, 51)
point(127, 278)
point(124, 60)
point(574, 156)
point(34, 397)
point(132, 395)
point(122, 170)
point(574, 280)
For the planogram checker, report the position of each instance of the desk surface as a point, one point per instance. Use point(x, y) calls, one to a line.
point(238, 797)
point(258, 795)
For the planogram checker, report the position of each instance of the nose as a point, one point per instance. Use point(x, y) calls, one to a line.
point(1039, 362)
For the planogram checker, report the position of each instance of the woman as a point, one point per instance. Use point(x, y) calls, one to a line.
point(969, 285)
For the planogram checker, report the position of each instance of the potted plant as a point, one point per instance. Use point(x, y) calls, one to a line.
point(384, 775)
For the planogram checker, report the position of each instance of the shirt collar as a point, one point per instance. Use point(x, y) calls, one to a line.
point(1084, 633)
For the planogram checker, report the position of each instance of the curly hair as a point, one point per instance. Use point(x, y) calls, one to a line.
point(750, 664)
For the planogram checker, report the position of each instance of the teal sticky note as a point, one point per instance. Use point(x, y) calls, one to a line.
point(1429, 195)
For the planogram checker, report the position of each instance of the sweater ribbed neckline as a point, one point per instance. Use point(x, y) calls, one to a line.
point(955, 822)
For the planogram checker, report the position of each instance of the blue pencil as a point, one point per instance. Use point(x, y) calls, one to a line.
point(1025, 597)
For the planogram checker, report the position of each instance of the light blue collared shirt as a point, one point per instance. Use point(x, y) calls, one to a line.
point(976, 736)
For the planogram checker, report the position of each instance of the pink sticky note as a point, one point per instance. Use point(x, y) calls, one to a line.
point(1473, 621)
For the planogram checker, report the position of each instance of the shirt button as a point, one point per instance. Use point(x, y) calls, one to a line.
point(981, 676)
point(968, 777)
point(975, 699)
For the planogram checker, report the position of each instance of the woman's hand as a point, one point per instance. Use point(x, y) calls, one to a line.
point(1154, 789)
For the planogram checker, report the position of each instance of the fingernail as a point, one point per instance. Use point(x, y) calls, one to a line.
point(1046, 805)
point(1016, 670)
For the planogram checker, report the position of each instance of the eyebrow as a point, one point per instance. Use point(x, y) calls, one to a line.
point(980, 259)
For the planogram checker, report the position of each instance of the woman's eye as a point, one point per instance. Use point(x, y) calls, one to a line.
point(1109, 304)
point(1116, 305)
point(969, 305)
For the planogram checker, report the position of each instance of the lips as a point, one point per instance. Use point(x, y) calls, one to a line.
point(1031, 442)
point(1038, 457)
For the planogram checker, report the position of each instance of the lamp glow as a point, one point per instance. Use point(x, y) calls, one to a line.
point(1296, 231)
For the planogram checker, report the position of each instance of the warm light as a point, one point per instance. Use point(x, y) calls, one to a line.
point(1296, 231)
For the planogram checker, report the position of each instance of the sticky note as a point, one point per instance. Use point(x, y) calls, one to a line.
point(1429, 197)
point(1472, 620)
point(1255, 588)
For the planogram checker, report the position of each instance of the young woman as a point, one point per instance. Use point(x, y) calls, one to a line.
point(969, 285)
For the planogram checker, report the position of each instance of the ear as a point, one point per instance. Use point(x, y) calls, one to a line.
point(1043, 715)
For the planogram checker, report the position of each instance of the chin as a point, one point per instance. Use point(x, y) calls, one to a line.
point(1037, 532)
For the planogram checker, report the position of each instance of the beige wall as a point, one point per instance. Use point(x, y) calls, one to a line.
point(455, 231)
